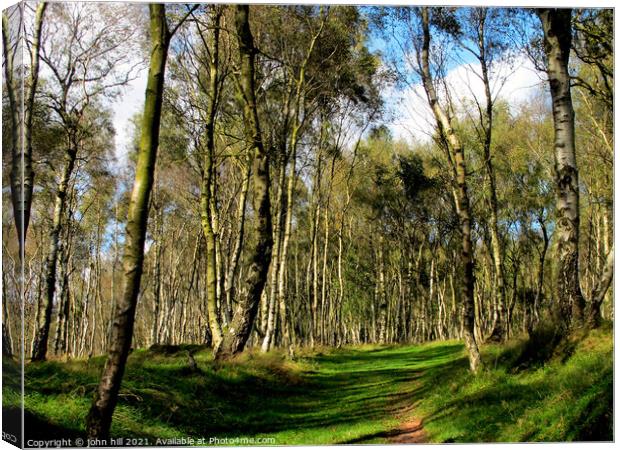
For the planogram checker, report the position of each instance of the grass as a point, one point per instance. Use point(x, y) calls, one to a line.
point(350, 395)
point(558, 401)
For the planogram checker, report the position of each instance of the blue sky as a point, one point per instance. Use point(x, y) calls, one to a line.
point(412, 120)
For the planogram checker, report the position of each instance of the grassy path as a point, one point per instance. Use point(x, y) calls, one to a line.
point(363, 395)
point(357, 395)
point(353, 395)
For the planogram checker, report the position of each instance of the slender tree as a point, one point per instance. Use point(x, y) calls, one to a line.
point(556, 25)
point(238, 331)
point(209, 179)
point(452, 141)
point(81, 73)
point(486, 46)
point(99, 417)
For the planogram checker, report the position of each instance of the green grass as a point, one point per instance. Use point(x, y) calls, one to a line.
point(559, 401)
point(350, 395)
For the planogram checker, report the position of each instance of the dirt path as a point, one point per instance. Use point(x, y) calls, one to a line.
point(410, 432)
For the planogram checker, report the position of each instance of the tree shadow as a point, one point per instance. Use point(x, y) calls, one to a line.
point(350, 386)
point(584, 389)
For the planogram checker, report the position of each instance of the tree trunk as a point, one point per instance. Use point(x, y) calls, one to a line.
point(62, 317)
point(323, 307)
point(556, 25)
point(7, 339)
point(207, 191)
point(157, 279)
point(499, 311)
point(541, 275)
point(233, 267)
point(100, 415)
point(275, 266)
point(594, 311)
point(39, 345)
point(238, 332)
point(463, 207)
point(314, 261)
point(381, 294)
point(288, 218)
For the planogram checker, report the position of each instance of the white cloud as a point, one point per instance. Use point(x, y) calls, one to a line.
point(130, 102)
point(413, 119)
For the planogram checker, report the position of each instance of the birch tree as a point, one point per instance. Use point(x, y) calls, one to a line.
point(556, 25)
point(238, 331)
point(99, 417)
point(83, 48)
point(456, 157)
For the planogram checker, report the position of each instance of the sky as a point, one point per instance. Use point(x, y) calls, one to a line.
point(411, 118)
point(124, 108)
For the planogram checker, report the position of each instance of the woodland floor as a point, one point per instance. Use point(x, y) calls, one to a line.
point(370, 394)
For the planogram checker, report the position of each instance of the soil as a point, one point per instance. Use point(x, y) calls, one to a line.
point(410, 432)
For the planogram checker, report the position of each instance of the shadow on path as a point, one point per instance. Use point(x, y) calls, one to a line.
point(347, 392)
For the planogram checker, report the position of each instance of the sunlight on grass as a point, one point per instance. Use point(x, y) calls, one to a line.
point(337, 396)
point(556, 402)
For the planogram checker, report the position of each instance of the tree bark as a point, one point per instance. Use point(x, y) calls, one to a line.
point(499, 311)
point(275, 265)
point(556, 25)
point(208, 181)
point(288, 218)
point(39, 344)
point(238, 331)
point(62, 318)
point(7, 339)
point(158, 236)
point(233, 267)
point(594, 310)
point(445, 128)
point(541, 274)
point(100, 415)
point(382, 302)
